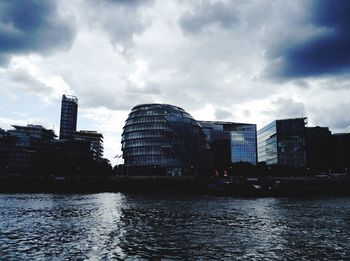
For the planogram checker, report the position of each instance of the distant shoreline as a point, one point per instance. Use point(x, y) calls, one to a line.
point(336, 185)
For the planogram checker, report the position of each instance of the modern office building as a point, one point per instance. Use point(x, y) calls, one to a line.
point(69, 157)
point(282, 142)
point(318, 149)
point(340, 150)
point(23, 147)
point(162, 139)
point(5, 144)
point(231, 142)
point(94, 138)
point(69, 113)
point(27, 135)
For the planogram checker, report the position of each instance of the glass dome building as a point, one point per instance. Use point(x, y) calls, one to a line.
point(162, 139)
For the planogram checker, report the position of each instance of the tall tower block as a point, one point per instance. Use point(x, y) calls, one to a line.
point(69, 113)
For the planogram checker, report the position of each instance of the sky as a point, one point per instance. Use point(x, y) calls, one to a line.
point(240, 60)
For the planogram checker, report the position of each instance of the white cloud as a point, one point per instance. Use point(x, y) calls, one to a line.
point(207, 57)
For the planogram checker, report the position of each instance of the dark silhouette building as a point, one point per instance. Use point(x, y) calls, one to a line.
point(282, 142)
point(34, 151)
point(69, 113)
point(340, 151)
point(6, 143)
point(69, 158)
point(162, 139)
point(231, 142)
point(318, 149)
point(95, 140)
point(22, 148)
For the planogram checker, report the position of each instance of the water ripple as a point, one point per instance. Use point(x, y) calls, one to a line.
point(115, 226)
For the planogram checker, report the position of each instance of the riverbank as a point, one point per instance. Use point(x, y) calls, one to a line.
point(322, 185)
point(12, 184)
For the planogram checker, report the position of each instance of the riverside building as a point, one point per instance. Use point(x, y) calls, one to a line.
point(162, 139)
point(231, 142)
point(95, 140)
point(69, 113)
point(341, 152)
point(282, 142)
point(22, 147)
point(319, 152)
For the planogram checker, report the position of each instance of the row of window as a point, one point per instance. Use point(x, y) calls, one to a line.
point(150, 119)
point(246, 154)
point(139, 113)
point(146, 126)
point(145, 135)
point(152, 160)
point(266, 135)
point(270, 127)
point(160, 112)
point(143, 151)
point(144, 143)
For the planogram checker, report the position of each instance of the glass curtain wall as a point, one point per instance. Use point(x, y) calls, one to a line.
point(267, 144)
point(162, 135)
point(283, 142)
point(243, 144)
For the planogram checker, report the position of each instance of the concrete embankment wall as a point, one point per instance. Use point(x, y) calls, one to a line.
point(101, 184)
point(233, 186)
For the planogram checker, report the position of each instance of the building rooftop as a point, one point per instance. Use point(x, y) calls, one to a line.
point(226, 123)
point(70, 98)
point(341, 134)
point(89, 133)
point(293, 119)
point(33, 127)
point(156, 104)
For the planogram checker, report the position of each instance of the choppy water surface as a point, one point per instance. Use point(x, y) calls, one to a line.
point(121, 226)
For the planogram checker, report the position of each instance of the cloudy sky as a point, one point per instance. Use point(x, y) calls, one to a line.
point(240, 60)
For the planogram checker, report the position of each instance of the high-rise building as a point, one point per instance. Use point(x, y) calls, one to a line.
point(231, 142)
point(69, 113)
point(94, 138)
point(162, 139)
point(282, 142)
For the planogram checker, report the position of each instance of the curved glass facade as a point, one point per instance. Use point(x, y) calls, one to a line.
point(165, 137)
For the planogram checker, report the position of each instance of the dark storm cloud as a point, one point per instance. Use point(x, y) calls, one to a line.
point(326, 52)
point(207, 14)
point(32, 26)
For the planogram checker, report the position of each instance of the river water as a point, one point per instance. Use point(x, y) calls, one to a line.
point(113, 226)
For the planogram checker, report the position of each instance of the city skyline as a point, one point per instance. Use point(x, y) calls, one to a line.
point(219, 60)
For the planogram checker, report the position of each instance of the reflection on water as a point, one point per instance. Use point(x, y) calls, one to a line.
point(120, 226)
